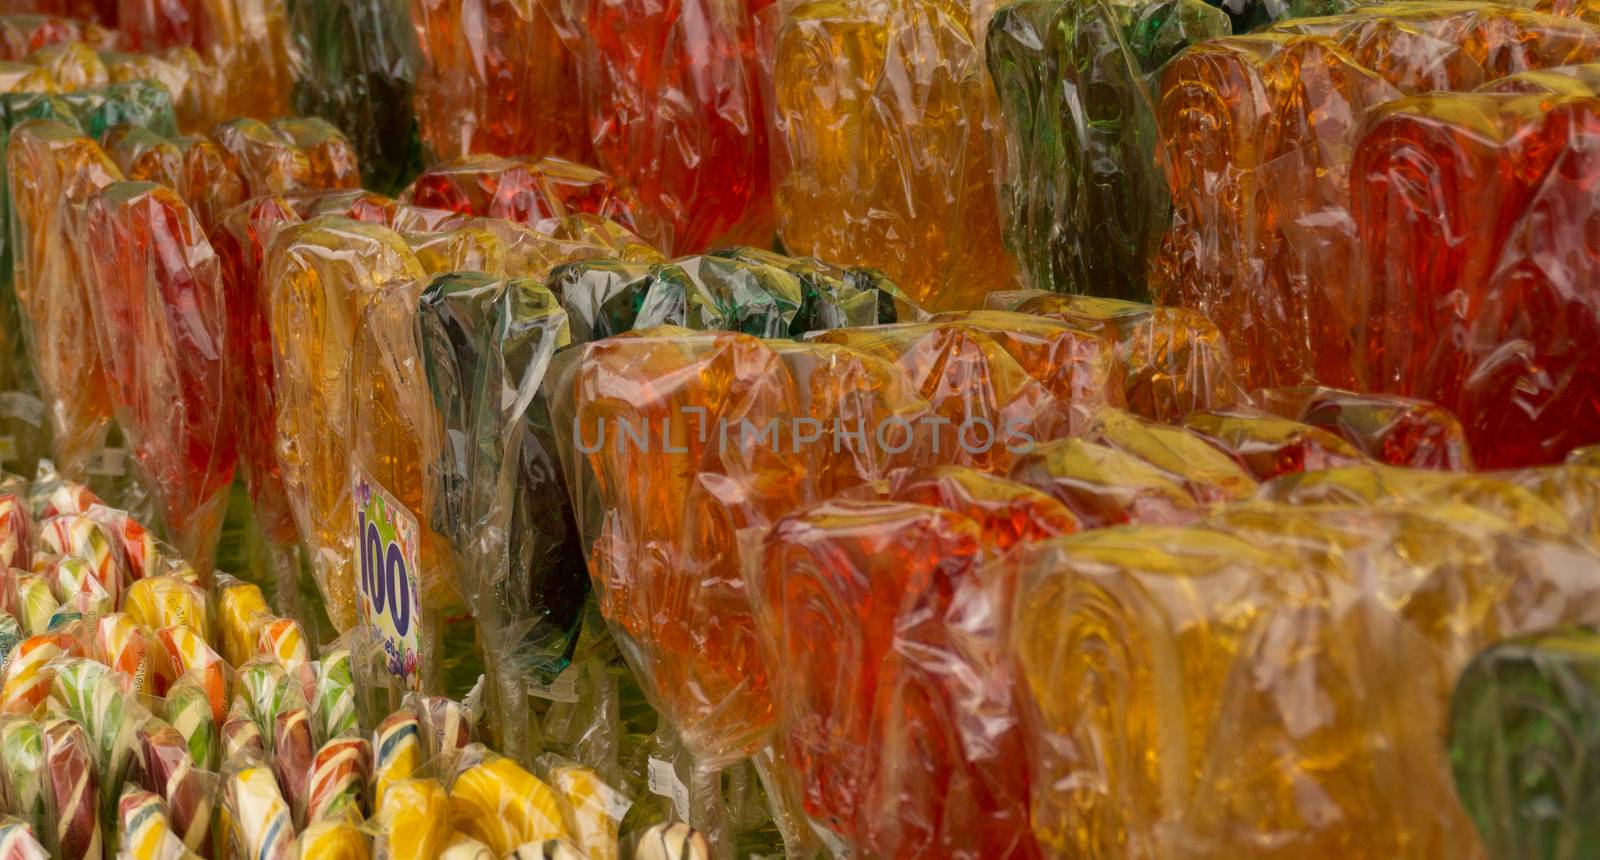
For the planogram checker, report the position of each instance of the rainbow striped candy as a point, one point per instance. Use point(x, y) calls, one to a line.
point(17, 841)
point(292, 755)
point(71, 792)
point(189, 654)
point(30, 673)
point(166, 768)
point(80, 535)
point(260, 826)
point(283, 640)
point(35, 602)
point(339, 775)
point(146, 832)
point(396, 752)
point(132, 650)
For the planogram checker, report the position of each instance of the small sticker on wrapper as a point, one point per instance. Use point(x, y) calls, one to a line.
point(22, 406)
point(109, 462)
point(662, 781)
point(386, 583)
point(563, 689)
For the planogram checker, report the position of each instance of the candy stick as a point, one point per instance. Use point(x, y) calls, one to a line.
point(335, 699)
point(22, 751)
point(242, 741)
point(166, 768)
point(146, 831)
point(292, 755)
point(396, 752)
point(71, 792)
point(259, 823)
point(413, 820)
point(283, 640)
point(339, 776)
point(127, 647)
point(35, 602)
point(188, 709)
point(30, 673)
point(189, 654)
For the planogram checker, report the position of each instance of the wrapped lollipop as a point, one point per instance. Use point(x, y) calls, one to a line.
point(31, 671)
point(78, 587)
point(51, 496)
point(14, 527)
point(188, 710)
point(240, 612)
point(242, 741)
point(35, 602)
point(332, 840)
point(292, 755)
point(396, 752)
point(80, 535)
point(464, 847)
point(339, 776)
point(103, 702)
point(71, 792)
point(18, 842)
point(283, 640)
point(446, 725)
point(168, 601)
point(413, 820)
point(592, 809)
point(504, 806)
point(131, 649)
point(335, 701)
point(165, 767)
point(136, 547)
point(146, 832)
point(22, 753)
point(188, 654)
point(263, 689)
point(255, 820)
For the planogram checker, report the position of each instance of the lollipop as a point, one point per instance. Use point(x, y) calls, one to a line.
point(592, 808)
point(332, 840)
point(17, 841)
point(292, 754)
point(103, 703)
point(504, 806)
point(283, 640)
point(257, 820)
point(413, 820)
point(167, 601)
point(29, 675)
point(396, 752)
point(188, 710)
point(35, 602)
point(445, 723)
point(166, 768)
point(335, 700)
point(80, 535)
point(71, 791)
point(22, 751)
point(263, 686)
point(241, 610)
point(139, 549)
point(146, 832)
point(77, 585)
point(339, 776)
point(131, 649)
point(242, 741)
point(188, 654)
